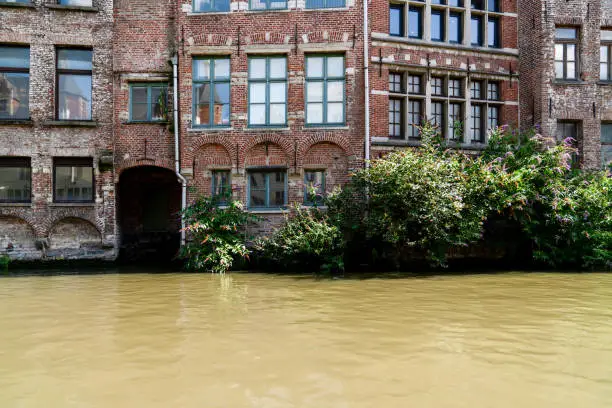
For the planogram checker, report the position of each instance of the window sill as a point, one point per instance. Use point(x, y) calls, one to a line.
point(208, 13)
point(313, 207)
point(15, 204)
point(266, 129)
point(11, 122)
point(17, 5)
point(605, 83)
point(268, 211)
point(210, 129)
point(574, 82)
point(92, 204)
point(71, 123)
point(328, 127)
point(327, 9)
point(266, 10)
point(135, 122)
point(72, 8)
point(385, 141)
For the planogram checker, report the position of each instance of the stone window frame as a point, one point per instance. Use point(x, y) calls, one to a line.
point(325, 79)
point(320, 189)
point(488, 98)
point(18, 70)
point(565, 43)
point(224, 186)
point(213, 9)
point(411, 98)
point(606, 43)
point(267, 171)
point(85, 162)
point(21, 163)
point(148, 86)
point(80, 72)
point(212, 82)
point(487, 16)
point(267, 81)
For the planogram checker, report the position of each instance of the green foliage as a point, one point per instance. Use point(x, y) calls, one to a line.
point(305, 241)
point(4, 263)
point(216, 235)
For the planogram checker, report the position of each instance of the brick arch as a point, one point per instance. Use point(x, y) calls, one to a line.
point(321, 36)
point(86, 232)
point(212, 39)
point(130, 163)
point(27, 216)
point(201, 141)
point(211, 154)
point(340, 141)
point(273, 38)
point(18, 232)
point(281, 141)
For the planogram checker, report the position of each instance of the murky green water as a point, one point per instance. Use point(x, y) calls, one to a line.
point(177, 340)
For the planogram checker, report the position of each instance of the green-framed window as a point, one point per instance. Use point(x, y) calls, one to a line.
point(148, 102)
point(211, 92)
point(267, 4)
point(221, 185)
point(267, 188)
point(314, 4)
point(314, 187)
point(325, 96)
point(267, 91)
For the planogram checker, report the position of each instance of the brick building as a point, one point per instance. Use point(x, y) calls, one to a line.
point(566, 73)
point(56, 189)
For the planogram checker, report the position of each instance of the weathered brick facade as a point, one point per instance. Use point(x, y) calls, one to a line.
point(546, 100)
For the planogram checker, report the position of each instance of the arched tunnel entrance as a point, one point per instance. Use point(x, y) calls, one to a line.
point(149, 202)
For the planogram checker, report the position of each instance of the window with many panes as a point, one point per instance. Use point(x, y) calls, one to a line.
point(569, 131)
point(267, 4)
point(606, 144)
point(396, 105)
point(267, 91)
point(566, 53)
point(325, 90)
point(267, 188)
point(148, 102)
point(485, 109)
point(15, 1)
point(605, 55)
point(206, 6)
point(314, 187)
point(73, 180)
point(78, 3)
point(406, 101)
point(221, 185)
point(211, 92)
point(74, 84)
point(14, 82)
point(447, 100)
point(15, 180)
point(313, 4)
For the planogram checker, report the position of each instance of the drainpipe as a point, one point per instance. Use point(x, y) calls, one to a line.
point(177, 164)
point(366, 78)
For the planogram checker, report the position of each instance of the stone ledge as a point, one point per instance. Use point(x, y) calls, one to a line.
point(210, 129)
point(71, 123)
point(134, 122)
point(72, 8)
point(384, 141)
point(12, 122)
point(72, 205)
point(269, 212)
point(266, 129)
point(324, 127)
point(17, 5)
point(28, 205)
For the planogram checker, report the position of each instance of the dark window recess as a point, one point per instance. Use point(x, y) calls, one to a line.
point(396, 19)
point(314, 187)
point(221, 185)
point(15, 180)
point(476, 30)
point(14, 83)
point(493, 32)
point(73, 180)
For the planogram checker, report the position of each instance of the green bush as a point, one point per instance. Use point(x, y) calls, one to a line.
point(217, 235)
point(4, 263)
point(306, 241)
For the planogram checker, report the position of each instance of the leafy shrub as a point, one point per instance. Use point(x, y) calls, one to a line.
point(217, 235)
point(306, 241)
point(4, 263)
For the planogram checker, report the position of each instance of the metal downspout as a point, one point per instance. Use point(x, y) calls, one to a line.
point(366, 78)
point(177, 164)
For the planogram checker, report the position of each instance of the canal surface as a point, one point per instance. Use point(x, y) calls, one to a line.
point(250, 340)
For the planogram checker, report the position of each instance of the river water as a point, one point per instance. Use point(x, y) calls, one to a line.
point(250, 340)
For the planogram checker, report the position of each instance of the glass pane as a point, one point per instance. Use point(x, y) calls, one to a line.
point(278, 67)
point(335, 91)
point(395, 20)
point(15, 184)
point(221, 183)
point(603, 54)
point(257, 93)
point(14, 57)
point(437, 32)
point(201, 70)
point(493, 5)
point(314, 91)
point(335, 113)
point(454, 28)
point(335, 67)
point(202, 99)
point(74, 97)
point(257, 68)
point(493, 34)
point(315, 4)
point(414, 22)
point(314, 186)
point(257, 114)
point(139, 111)
point(277, 189)
point(606, 155)
point(280, 4)
point(81, 3)
point(211, 5)
point(74, 59)
point(257, 190)
point(221, 104)
point(606, 133)
point(314, 67)
point(478, 4)
point(73, 183)
point(314, 113)
point(558, 69)
point(222, 68)
point(258, 4)
point(559, 52)
point(278, 92)
point(455, 3)
point(139, 94)
point(476, 31)
point(159, 99)
point(603, 73)
point(277, 113)
point(571, 70)
point(606, 35)
point(571, 52)
point(14, 95)
point(566, 33)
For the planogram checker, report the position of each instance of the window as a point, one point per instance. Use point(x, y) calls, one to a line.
point(395, 83)
point(476, 30)
point(437, 86)
point(455, 28)
point(447, 106)
point(396, 115)
point(605, 55)
point(437, 25)
point(493, 91)
point(493, 32)
point(325, 90)
point(606, 144)
point(415, 22)
point(566, 55)
point(203, 6)
point(569, 132)
point(267, 189)
point(15, 180)
point(15, 1)
point(73, 180)
point(455, 121)
point(414, 119)
point(74, 70)
point(148, 102)
point(396, 19)
point(314, 187)
point(478, 4)
point(79, 3)
point(493, 5)
point(455, 88)
point(493, 117)
point(476, 90)
point(313, 4)
point(14, 82)
point(267, 91)
point(476, 124)
point(414, 84)
point(267, 4)
point(437, 114)
point(488, 103)
point(211, 92)
point(221, 186)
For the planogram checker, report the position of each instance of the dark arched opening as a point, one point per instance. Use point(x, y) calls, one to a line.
point(149, 201)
